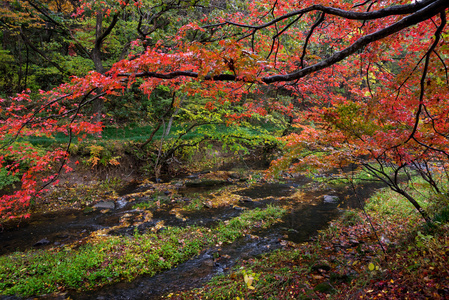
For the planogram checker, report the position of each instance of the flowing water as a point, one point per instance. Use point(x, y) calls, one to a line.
point(309, 212)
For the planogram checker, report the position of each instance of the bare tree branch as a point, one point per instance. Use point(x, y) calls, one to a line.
point(351, 15)
point(309, 35)
point(424, 75)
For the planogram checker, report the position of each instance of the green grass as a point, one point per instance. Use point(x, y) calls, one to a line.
point(195, 204)
point(156, 201)
point(391, 205)
point(130, 133)
point(142, 133)
point(112, 259)
point(388, 203)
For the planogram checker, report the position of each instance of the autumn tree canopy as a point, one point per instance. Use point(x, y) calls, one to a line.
point(369, 79)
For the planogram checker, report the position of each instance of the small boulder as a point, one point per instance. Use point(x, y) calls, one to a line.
point(42, 242)
point(324, 287)
point(208, 263)
point(208, 204)
point(234, 176)
point(331, 199)
point(245, 199)
point(105, 205)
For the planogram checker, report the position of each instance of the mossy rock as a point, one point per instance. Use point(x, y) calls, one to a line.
point(324, 287)
point(309, 294)
point(88, 210)
point(340, 278)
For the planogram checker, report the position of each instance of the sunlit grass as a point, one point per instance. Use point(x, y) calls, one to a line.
point(141, 133)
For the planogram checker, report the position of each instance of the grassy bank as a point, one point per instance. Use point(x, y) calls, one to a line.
point(101, 260)
point(347, 260)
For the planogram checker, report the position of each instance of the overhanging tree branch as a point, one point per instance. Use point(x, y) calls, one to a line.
point(419, 16)
point(350, 15)
point(424, 75)
point(420, 11)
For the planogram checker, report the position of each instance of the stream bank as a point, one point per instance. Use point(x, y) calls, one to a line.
point(196, 201)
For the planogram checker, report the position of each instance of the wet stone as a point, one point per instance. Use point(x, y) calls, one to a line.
point(208, 204)
point(105, 205)
point(42, 242)
point(330, 199)
point(209, 263)
point(193, 176)
point(246, 199)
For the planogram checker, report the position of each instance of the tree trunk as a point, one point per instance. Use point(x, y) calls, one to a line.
point(417, 206)
point(96, 51)
point(98, 104)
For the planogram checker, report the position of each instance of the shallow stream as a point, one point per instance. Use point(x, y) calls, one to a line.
point(309, 210)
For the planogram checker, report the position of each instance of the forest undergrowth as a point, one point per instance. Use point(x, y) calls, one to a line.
point(382, 252)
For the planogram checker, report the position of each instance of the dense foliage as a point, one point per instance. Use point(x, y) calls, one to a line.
point(366, 80)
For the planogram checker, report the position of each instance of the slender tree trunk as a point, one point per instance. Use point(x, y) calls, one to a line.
point(26, 67)
point(170, 121)
point(98, 104)
point(417, 206)
point(162, 121)
point(158, 162)
point(19, 79)
point(150, 139)
point(96, 51)
point(394, 186)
